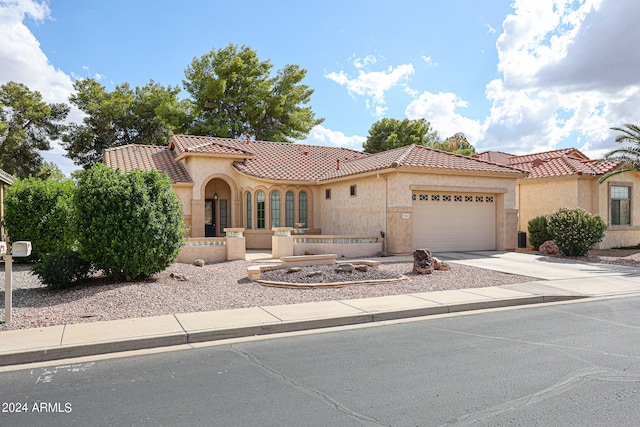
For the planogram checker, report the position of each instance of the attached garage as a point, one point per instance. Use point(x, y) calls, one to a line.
point(444, 221)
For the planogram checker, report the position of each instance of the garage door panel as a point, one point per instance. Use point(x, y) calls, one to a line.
point(453, 222)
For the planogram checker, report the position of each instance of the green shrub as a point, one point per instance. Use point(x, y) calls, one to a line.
point(42, 212)
point(63, 269)
point(538, 231)
point(575, 231)
point(128, 225)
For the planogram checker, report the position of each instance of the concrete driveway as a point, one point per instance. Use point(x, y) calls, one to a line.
point(557, 275)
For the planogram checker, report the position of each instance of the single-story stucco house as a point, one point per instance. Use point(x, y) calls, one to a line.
point(415, 196)
point(567, 178)
point(6, 180)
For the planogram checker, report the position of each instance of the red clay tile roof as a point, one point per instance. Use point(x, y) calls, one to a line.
point(563, 162)
point(417, 156)
point(146, 157)
point(280, 161)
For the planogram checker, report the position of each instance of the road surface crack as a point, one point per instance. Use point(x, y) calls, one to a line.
point(310, 391)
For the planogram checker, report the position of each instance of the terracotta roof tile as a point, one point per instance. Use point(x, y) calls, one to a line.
point(281, 161)
point(146, 157)
point(417, 156)
point(555, 163)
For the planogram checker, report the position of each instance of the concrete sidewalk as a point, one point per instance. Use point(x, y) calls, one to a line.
point(559, 280)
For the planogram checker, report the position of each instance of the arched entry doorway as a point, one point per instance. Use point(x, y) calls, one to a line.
point(217, 207)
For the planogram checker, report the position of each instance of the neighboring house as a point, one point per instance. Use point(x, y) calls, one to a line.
point(6, 181)
point(416, 196)
point(568, 179)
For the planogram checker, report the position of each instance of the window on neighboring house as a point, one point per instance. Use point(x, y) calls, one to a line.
point(353, 190)
point(289, 209)
point(327, 193)
point(302, 209)
point(620, 205)
point(260, 209)
point(275, 209)
point(249, 212)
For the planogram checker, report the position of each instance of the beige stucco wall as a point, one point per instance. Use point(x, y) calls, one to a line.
point(383, 203)
point(362, 214)
point(542, 197)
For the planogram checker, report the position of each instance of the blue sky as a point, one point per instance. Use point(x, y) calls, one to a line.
point(513, 75)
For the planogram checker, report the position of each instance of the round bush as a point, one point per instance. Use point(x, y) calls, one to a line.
point(41, 212)
point(576, 231)
point(63, 269)
point(129, 225)
point(538, 231)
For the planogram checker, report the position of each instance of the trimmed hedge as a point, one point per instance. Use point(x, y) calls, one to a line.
point(42, 212)
point(538, 231)
point(63, 269)
point(129, 225)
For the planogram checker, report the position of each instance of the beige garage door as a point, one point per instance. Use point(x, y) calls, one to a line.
point(454, 221)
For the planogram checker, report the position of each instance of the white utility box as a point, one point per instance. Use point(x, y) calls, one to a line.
point(21, 248)
point(3, 248)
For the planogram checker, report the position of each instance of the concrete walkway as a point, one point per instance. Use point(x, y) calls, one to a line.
point(556, 280)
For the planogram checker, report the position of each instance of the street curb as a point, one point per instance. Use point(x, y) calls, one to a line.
point(207, 335)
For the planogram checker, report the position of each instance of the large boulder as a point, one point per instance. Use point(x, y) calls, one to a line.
point(422, 261)
point(549, 247)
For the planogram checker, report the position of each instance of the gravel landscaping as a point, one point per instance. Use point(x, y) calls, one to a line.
point(225, 286)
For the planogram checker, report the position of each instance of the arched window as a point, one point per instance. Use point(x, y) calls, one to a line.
point(288, 207)
point(275, 209)
point(249, 212)
point(302, 209)
point(260, 209)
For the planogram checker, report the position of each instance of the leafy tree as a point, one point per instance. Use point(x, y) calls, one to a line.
point(42, 212)
point(128, 225)
point(386, 134)
point(27, 125)
point(144, 115)
point(457, 143)
point(628, 156)
point(234, 94)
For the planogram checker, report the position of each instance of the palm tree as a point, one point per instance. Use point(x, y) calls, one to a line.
point(629, 157)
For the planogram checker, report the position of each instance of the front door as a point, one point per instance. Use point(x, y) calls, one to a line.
point(209, 218)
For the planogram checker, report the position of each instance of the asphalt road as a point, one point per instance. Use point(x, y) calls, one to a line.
point(570, 364)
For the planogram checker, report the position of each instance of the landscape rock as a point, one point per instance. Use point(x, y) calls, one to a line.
point(362, 267)
point(294, 269)
point(549, 247)
point(180, 277)
point(440, 265)
point(344, 268)
point(314, 273)
point(199, 263)
point(422, 261)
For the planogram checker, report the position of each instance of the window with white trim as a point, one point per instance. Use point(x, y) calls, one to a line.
point(620, 204)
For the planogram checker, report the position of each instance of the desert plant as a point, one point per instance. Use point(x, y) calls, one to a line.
point(129, 225)
point(42, 212)
point(576, 231)
point(62, 269)
point(538, 231)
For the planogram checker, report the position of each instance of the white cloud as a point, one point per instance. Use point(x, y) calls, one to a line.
point(440, 110)
point(569, 73)
point(490, 29)
point(23, 61)
point(320, 135)
point(363, 62)
point(372, 85)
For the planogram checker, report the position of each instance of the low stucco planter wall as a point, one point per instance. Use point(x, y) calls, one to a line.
point(343, 246)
